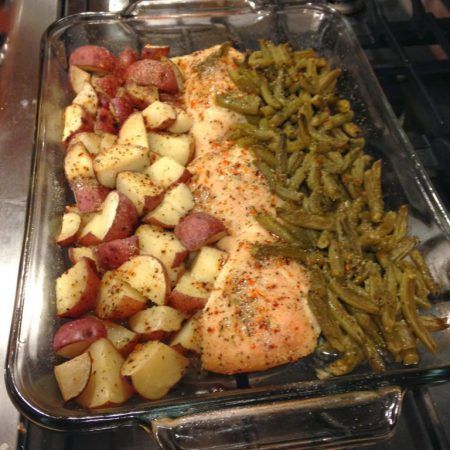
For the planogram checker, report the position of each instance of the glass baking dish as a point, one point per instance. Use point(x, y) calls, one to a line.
point(286, 407)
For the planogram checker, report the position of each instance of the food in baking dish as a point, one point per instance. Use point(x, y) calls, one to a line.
point(224, 208)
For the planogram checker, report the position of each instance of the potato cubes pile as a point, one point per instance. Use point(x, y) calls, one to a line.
point(133, 306)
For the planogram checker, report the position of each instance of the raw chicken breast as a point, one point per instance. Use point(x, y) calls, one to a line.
point(257, 316)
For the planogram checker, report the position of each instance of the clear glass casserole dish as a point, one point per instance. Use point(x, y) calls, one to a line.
point(283, 407)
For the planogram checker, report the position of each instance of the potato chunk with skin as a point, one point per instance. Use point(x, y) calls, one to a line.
point(106, 386)
point(189, 295)
point(159, 116)
point(73, 376)
point(179, 147)
point(133, 131)
point(154, 369)
point(208, 264)
point(167, 172)
point(87, 98)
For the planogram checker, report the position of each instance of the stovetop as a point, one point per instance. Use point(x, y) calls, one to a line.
point(408, 45)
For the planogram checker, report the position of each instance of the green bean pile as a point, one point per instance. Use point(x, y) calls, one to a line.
point(368, 281)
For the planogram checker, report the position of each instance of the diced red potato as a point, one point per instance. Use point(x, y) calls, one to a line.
point(117, 299)
point(108, 140)
point(106, 386)
point(159, 116)
point(77, 78)
point(77, 289)
point(104, 121)
point(76, 120)
point(89, 194)
point(189, 338)
point(198, 229)
point(92, 58)
point(179, 147)
point(74, 337)
point(126, 57)
point(154, 368)
point(87, 98)
point(167, 172)
point(207, 264)
point(177, 202)
point(156, 323)
point(107, 84)
point(133, 132)
point(148, 276)
point(116, 220)
point(76, 253)
point(155, 73)
point(189, 295)
point(118, 158)
point(78, 163)
point(155, 51)
point(70, 225)
point(112, 254)
point(121, 108)
point(175, 273)
point(122, 338)
point(161, 244)
point(90, 140)
point(73, 376)
point(183, 123)
point(141, 96)
point(140, 189)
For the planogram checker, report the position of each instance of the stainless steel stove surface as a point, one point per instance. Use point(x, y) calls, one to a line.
point(408, 44)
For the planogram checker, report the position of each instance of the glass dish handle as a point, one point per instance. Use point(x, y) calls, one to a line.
point(332, 420)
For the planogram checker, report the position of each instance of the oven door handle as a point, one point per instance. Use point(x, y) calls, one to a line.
point(331, 420)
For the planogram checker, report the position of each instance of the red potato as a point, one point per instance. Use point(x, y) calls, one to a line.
point(189, 295)
point(121, 108)
point(208, 264)
point(126, 57)
point(89, 194)
point(74, 337)
point(183, 123)
point(106, 386)
point(140, 189)
point(159, 116)
point(154, 368)
point(116, 220)
point(77, 289)
point(113, 254)
point(93, 58)
point(133, 132)
point(189, 339)
point(122, 338)
point(90, 140)
point(76, 253)
point(198, 229)
point(166, 172)
point(78, 163)
point(73, 376)
point(77, 78)
point(161, 244)
point(141, 96)
point(107, 84)
point(155, 52)
point(148, 276)
point(179, 147)
point(117, 300)
point(104, 121)
point(156, 323)
point(87, 98)
point(70, 226)
point(176, 204)
point(155, 73)
point(76, 120)
point(119, 158)
point(108, 141)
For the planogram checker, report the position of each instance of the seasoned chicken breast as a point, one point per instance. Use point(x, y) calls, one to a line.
point(257, 316)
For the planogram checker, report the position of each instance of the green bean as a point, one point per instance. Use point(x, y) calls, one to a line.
point(338, 120)
point(356, 299)
point(335, 260)
point(324, 240)
point(294, 146)
point(351, 129)
point(408, 306)
point(344, 319)
point(422, 267)
point(369, 326)
point(372, 185)
point(293, 251)
point(311, 221)
point(294, 162)
point(287, 194)
point(349, 158)
point(301, 236)
point(320, 118)
point(243, 105)
point(283, 115)
point(371, 353)
point(433, 323)
point(245, 80)
point(326, 80)
point(343, 105)
point(403, 248)
point(268, 96)
point(401, 224)
point(273, 226)
point(281, 159)
point(264, 155)
point(303, 131)
point(297, 179)
point(267, 111)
